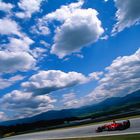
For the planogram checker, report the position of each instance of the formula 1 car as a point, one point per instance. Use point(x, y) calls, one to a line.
point(114, 126)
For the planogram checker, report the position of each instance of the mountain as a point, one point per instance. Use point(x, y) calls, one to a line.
point(107, 104)
point(116, 102)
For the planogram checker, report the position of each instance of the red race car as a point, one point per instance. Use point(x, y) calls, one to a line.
point(114, 126)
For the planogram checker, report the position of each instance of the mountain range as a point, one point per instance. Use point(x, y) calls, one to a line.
point(108, 104)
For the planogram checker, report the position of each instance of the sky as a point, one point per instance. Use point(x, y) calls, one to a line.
point(61, 54)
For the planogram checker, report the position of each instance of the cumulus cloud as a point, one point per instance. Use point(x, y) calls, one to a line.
point(128, 14)
point(122, 77)
point(6, 7)
point(29, 7)
point(11, 59)
point(19, 44)
point(72, 104)
point(41, 28)
point(104, 37)
point(68, 96)
point(33, 98)
point(44, 43)
point(23, 104)
point(10, 81)
point(80, 27)
point(64, 12)
point(14, 61)
point(8, 26)
point(69, 100)
point(16, 97)
point(3, 116)
point(95, 75)
point(47, 81)
point(79, 55)
point(39, 52)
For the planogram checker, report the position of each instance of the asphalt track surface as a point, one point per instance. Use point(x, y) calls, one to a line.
point(81, 131)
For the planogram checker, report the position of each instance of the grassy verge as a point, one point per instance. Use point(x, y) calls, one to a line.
point(121, 137)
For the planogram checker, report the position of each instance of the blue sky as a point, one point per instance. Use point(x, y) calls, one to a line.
point(66, 53)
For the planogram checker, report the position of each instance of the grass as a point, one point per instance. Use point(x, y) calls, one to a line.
point(120, 137)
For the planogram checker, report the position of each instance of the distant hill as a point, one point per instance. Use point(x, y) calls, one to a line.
point(108, 104)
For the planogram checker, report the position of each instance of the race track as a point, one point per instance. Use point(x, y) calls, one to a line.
point(82, 131)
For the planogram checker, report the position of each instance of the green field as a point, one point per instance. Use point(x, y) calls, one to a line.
point(121, 137)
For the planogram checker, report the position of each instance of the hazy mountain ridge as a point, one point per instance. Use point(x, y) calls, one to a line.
point(68, 113)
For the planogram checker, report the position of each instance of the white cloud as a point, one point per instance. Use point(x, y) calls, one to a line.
point(19, 45)
point(33, 97)
point(20, 15)
point(105, 37)
point(10, 81)
point(75, 33)
point(47, 81)
point(44, 43)
point(69, 100)
point(64, 12)
point(23, 104)
point(72, 104)
point(95, 75)
point(68, 97)
point(105, 0)
point(80, 27)
point(3, 116)
point(122, 77)
point(29, 7)
point(8, 26)
point(41, 29)
point(16, 97)
point(128, 14)
point(79, 55)
point(16, 61)
point(6, 7)
point(39, 52)
point(17, 55)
